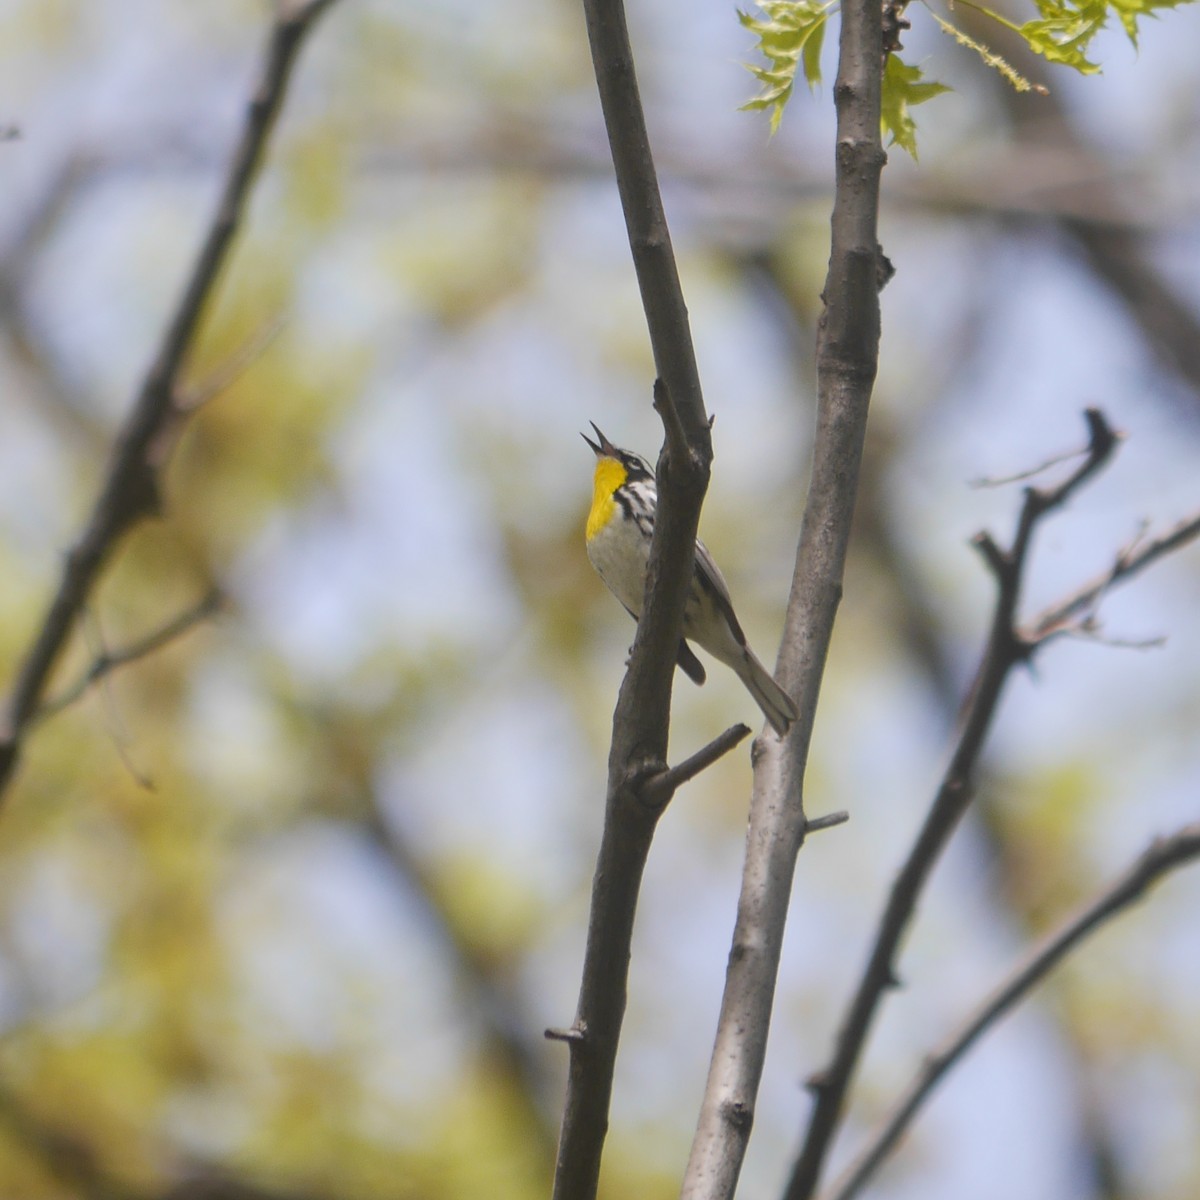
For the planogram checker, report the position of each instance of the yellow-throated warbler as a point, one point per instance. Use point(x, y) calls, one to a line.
point(619, 525)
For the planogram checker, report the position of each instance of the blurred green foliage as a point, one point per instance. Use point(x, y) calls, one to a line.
point(288, 903)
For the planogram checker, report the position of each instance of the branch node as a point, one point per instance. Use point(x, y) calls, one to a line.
point(1023, 648)
point(885, 269)
point(738, 1114)
point(662, 783)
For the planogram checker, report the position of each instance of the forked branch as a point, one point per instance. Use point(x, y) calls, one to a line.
point(1004, 650)
point(110, 660)
point(1007, 646)
point(131, 488)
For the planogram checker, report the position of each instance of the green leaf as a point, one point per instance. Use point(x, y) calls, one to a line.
point(789, 38)
point(812, 54)
point(1065, 28)
point(904, 86)
point(1063, 32)
point(1128, 12)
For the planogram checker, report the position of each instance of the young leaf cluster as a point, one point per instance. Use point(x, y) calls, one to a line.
point(1063, 30)
point(903, 86)
point(791, 34)
point(790, 37)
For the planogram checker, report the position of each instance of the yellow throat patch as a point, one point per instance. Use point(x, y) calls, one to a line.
point(610, 474)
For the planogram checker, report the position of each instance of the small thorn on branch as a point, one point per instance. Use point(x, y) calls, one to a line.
point(885, 269)
point(998, 562)
point(574, 1034)
point(1104, 436)
point(828, 821)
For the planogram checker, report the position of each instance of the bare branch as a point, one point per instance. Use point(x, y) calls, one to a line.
point(1101, 442)
point(573, 1034)
point(1162, 856)
point(107, 661)
point(131, 488)
point(995, 481)
point(1129, 563)
point(847, 358)
point(828, 821)
point(660, 788)
point(1006, 648)
point(641, 719)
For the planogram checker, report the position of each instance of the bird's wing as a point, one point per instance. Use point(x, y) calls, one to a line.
point(713, 582)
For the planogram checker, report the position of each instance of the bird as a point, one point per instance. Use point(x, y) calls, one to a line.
point(619, 525)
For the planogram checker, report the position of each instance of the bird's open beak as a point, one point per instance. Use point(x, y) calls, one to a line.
point(605, 448)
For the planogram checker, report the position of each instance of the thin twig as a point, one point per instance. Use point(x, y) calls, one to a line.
point(131, 489)
point(1004, 650)
point(228, 372)
point(1129, 562)
point(828, 821)
point(847, 360)
point(1162, 856)
point(660, 788)
point(107, 661)
point(641, 719)
point(995, 481)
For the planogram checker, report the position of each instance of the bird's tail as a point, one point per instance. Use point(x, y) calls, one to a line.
point(777, 706)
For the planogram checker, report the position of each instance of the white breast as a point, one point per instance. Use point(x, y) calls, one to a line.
point(620, 554)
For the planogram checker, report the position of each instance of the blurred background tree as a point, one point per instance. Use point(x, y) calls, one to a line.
point(285, 907)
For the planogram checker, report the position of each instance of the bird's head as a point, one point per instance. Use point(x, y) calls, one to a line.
point(614, 466)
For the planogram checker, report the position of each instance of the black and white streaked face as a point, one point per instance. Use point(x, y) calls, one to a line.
point(636, 468)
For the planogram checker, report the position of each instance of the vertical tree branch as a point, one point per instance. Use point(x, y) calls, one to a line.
point(131, 488)
point(640, 722)
point(847, 356)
